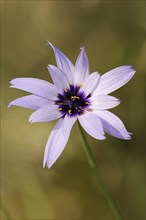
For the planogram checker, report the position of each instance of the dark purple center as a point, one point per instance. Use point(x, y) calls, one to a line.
point(73, 101)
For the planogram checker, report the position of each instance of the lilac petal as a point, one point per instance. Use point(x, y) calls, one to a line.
point(45, 113)
point(67, 124)
point(91, 83)
point(30, 101)
point(58, 78)
point(102, 102)
point(114, 79)
point(63, 63)
point(36, 86)
point(92, 125)
point(82, 67)
point(56, 142)
point(113, 125)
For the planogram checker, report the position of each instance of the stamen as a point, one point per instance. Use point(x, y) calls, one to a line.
point(66, 90)
point(58, 103)
point(87, 103)
point(75, 97)
point(69, 111)
point(60, 109)
point(88, 109)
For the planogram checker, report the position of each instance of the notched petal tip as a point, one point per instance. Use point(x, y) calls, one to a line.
point(130, 69)
point(128, 66)
point(31, 120)
point(102, 138)
point(118, 102)
point(11, 86)
point(82, 48)
point(44, 164)
point(127, 138)
point(49, 165)
point(14, 81)
point(50, 162)
point(50, 66)
point(11, 82)
point(47, 67)
point(49, 44)
point(9, 105)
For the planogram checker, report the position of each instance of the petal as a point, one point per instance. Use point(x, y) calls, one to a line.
point(101, 102)
point(91, 83)
point(36, 86)
point(113, 125)
point(67, 124)
point(63, 63)
point(58, 78)
point(82, 67)
point(45, 113)
point(92, 125)
point(30, 101)
point(114, 79)
point(56, 142)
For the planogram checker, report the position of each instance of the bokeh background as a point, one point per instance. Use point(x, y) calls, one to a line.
point(113, 33)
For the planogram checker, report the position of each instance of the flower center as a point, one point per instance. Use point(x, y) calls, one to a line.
point(72, 101)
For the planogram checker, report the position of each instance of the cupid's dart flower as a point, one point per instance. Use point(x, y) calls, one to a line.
point(75, 95)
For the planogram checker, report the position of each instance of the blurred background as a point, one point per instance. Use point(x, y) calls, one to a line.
point(113, 33)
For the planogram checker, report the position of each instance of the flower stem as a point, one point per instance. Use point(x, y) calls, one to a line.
point(101, 184)
point(4, 210)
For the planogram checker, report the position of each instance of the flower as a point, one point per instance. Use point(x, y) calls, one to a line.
point(75, 94)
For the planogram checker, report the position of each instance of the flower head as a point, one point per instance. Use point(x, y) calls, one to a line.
point(75, 94)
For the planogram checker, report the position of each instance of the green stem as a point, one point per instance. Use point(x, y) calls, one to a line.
point(101, 184)
point(4, 210)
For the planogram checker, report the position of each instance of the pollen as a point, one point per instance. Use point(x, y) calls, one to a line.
point(75, 97)
point(69, 111)
point(88, 109)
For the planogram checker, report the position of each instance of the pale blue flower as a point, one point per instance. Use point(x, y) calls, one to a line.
point(75, 95)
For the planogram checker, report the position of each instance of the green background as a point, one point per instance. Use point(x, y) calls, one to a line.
point(113, 35)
